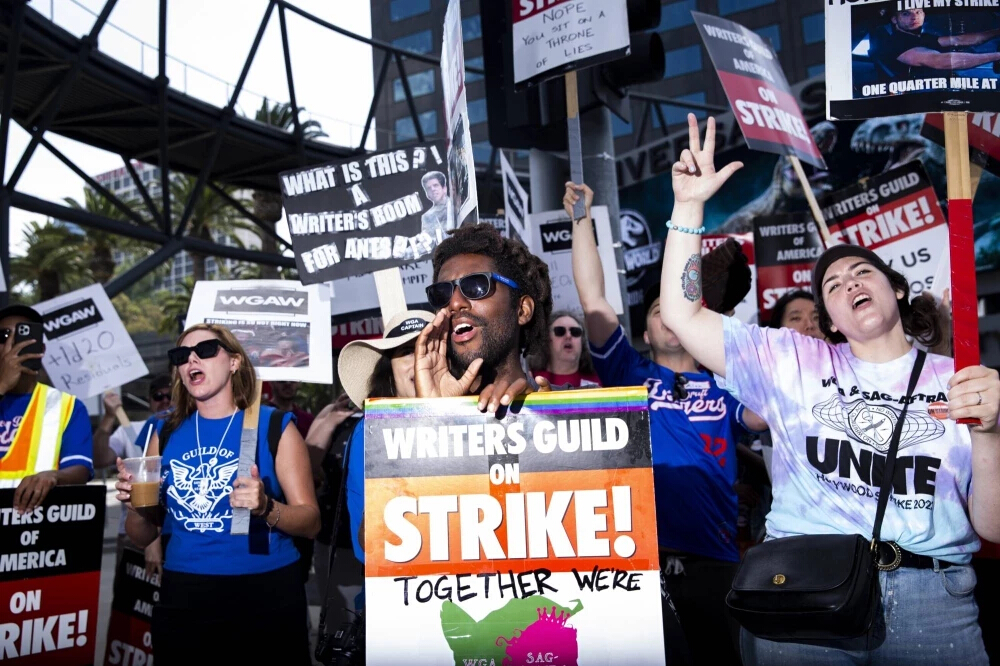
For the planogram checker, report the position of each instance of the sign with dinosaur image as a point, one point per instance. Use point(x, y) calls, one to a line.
point(526, 537)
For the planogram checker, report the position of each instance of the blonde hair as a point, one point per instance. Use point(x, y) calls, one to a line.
point(244, 380)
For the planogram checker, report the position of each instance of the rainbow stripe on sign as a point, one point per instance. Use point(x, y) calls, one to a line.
point(626, 399)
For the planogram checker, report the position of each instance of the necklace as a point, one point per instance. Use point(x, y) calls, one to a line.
point(197, 433)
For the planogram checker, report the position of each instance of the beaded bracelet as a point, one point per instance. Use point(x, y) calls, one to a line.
point(699, 231)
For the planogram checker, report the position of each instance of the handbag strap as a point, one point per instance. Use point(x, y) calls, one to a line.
point(333, 536)
point(890, 459)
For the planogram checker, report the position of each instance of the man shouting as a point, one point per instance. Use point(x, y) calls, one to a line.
point(493, 299)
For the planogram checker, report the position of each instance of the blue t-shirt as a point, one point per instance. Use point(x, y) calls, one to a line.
point(694, 450)
point(77, 442)
point(354, 456)
point(196, 486)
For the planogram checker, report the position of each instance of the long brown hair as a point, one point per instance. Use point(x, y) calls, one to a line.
point(244, 380)
point(541, 360)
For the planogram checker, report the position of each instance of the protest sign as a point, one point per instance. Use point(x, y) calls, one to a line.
point(551, 236)
point(283, 326)
point(135, 594)
point(757, 89)
point(461, 161)
point(357, 296)
point(552, 36)
point(642, 253)
point(746, 311)
point(87, 349)
point(367, 214)
point(897, 216)
point(515, 199)
point(911, 56)
point(505, 540)
point(50, 577)
point(984, 137)
point(785, 248)
point(3, 282)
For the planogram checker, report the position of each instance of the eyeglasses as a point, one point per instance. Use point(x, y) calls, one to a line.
point(204, 349)
point(560, 331)
point(474, 287)
point(160, 395)
point(680, 392)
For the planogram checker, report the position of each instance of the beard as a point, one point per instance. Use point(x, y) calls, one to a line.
point(499, 341)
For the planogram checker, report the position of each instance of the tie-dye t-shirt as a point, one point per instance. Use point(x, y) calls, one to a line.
point(832, 416)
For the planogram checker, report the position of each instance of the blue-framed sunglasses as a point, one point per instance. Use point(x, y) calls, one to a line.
point(473, 286)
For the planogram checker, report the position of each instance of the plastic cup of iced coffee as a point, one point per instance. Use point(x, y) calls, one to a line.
point(145, 480)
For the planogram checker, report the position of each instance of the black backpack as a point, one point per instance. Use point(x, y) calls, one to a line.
point(274, 430)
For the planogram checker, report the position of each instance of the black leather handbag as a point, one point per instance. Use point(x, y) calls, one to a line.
point(817, 587)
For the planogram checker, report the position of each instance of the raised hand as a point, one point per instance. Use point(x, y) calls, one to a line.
point(573, 194)
point(431, 374)
point(12, 364)
point(695, 179)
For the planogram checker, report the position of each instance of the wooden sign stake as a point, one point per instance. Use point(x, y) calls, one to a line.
point(575, 145)
point(964, 297)
point(248, 454)
point(824, 232)
point(391, 299)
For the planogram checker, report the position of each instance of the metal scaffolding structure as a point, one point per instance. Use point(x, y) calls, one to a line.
point(55, 82)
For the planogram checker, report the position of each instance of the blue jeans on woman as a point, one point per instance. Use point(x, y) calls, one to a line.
point(929, 617)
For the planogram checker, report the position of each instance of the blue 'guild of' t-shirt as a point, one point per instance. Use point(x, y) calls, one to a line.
point(196, 484)
point(694, 450)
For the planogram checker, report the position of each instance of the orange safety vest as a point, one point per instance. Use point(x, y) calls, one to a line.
point(36, 443)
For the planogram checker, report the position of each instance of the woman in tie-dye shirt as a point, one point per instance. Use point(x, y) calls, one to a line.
point(832, 406)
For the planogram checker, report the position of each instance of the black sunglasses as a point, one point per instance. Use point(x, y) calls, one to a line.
point(474, 287)
point(680, 392)
point(204, 349)
point(160, 395)
point(560, 331)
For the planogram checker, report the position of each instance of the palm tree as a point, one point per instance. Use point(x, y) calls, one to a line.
point(101, 244)
point(212, 218)
point(174, 307)
point(267, 205)
point(54, 260)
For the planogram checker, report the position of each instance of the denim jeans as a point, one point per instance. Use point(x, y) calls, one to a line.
point(929, 617)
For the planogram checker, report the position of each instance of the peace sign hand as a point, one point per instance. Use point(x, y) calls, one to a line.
point(695, 179)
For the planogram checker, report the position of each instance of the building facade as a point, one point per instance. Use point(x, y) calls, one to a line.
point(796, 29)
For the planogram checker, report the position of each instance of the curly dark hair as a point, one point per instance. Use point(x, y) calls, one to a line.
point(919, 316)
point(513, 260)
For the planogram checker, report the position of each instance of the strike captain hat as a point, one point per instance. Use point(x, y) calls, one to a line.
point(359, 358)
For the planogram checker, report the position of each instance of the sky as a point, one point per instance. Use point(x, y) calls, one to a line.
point(207, 44)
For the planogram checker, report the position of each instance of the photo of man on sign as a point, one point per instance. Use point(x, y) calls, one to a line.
point(905, 46)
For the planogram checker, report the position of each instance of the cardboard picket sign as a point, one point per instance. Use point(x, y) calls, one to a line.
point(551, 236)
point(984, 137)
point(87, 349)
point(515, 199)
point(785, 247)
point(50, 577)
point(490, 538)
point(283, 326)
point(550, 37)
point(868, 42)
point(746, 311)
point(130, 627)
point(897, 216)
point(461, 161)
point(757, 89)
point(367, 214)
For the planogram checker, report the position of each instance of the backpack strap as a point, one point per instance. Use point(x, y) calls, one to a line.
point(274, 431)
point(164, 435)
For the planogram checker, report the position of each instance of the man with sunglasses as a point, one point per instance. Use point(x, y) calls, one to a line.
point(111, 443)
point(45, 437)
point(493, 299)
point(694, 428)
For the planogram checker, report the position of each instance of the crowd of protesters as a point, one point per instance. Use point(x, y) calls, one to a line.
point(757, 394)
